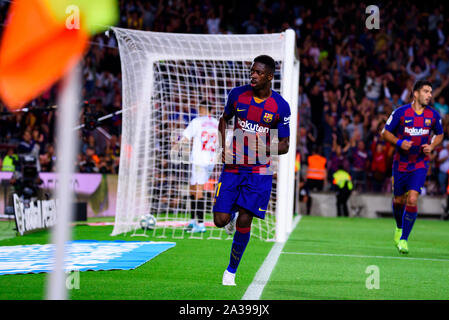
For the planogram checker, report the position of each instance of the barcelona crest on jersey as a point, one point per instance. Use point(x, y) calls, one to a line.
point(268, 117)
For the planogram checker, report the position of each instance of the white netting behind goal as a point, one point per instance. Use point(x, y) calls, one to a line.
point(165, 76)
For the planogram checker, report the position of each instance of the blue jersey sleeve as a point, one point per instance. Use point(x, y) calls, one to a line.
point(438, 126)
point(284, 120)
point(230, 102)
point(393, 121)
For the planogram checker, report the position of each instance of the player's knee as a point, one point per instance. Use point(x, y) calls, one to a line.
point(221, 219)
point(412, 199)
point(398, 201)
point(244, 220)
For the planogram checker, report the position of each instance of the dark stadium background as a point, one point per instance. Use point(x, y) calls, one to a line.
point(351, 78)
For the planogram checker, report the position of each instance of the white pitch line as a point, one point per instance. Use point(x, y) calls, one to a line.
point(362, 256)
point(262, 276)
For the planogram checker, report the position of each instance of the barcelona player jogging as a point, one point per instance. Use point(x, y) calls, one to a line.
point(409, 128)
point(244, 188)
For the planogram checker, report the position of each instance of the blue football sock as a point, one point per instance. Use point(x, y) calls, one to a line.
point(398, 212)
point(241, 239)
point(408, 220)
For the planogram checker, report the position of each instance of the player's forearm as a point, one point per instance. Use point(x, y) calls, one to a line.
point(283, 146)
point(389, 137)
point(436, 141)
point(222, 124)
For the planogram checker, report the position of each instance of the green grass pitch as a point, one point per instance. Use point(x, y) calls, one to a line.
point(324, 258)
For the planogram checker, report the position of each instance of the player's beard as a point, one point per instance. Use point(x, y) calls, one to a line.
point(423, 101)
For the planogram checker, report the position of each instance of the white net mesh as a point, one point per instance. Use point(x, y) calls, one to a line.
point(165, 77)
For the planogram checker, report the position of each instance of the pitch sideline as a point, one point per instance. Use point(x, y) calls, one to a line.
point(255, 289)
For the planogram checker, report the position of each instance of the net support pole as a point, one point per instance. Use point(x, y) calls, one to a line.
point(66, 156)
point(292, 154)
point(286, 172)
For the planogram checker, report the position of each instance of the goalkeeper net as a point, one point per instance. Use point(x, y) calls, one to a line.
point(164, 78)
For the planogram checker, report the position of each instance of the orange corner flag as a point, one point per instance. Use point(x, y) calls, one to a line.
point(36, 50)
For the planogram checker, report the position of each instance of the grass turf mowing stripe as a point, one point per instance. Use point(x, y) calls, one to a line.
point(362, 256)
point(256, 287)
point(192, 270)
point(343, 249)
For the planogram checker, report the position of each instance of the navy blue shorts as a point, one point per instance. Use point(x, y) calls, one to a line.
point(246, 190)
point(403, 182)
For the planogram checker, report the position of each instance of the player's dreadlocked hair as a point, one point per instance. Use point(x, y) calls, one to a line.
point(266, 60)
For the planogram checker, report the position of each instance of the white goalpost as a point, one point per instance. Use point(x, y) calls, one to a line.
point(165, 76)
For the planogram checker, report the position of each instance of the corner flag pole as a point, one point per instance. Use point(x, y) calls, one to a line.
point(67, 144)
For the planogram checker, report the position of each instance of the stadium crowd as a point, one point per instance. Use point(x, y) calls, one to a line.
point(351, 79)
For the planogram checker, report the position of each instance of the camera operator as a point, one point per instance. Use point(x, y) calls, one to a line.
point(9, 164)
point(29, 147)
point(89, 161)
point(25, 180)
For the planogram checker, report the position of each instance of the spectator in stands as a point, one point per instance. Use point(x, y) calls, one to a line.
point(195, 21)
point(443, 166)
point(251, 26)
point(355, 128)
point(213, 21)
point(47, 159)
point(331, 135)
point(438, 94)
point(148, 14)
point(90, 161)
point(134, 20)
point(377, 70)
point(441, 106)
point(359, 164)
point(106, 165)
point(91, 142)
point(26, 146)
point(373, 85)
point(38, 139)
point(337, 159)
point(379, 167)
point(416, 72)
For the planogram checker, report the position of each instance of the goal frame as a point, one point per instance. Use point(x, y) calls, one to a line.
point(285, 195)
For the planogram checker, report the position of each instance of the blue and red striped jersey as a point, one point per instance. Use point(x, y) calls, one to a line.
point(255, 117)
point(406, 124)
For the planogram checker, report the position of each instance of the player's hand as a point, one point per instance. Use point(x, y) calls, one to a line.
point(261, 140)
point(427, 148)
point(258, 144)
point(406, 145)
point(227, 155)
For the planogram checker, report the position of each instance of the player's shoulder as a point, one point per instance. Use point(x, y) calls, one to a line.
point(431, 112)
point(277, 96)
point(211, 120)
point(205, 119)
point(402, 109)
point(236, 91)
point(281, 102)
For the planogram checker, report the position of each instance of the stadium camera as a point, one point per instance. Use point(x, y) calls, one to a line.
point(90, 116)
point(91, 122)
point(26, 177)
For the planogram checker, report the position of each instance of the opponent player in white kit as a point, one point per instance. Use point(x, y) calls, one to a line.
point(203, 130)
